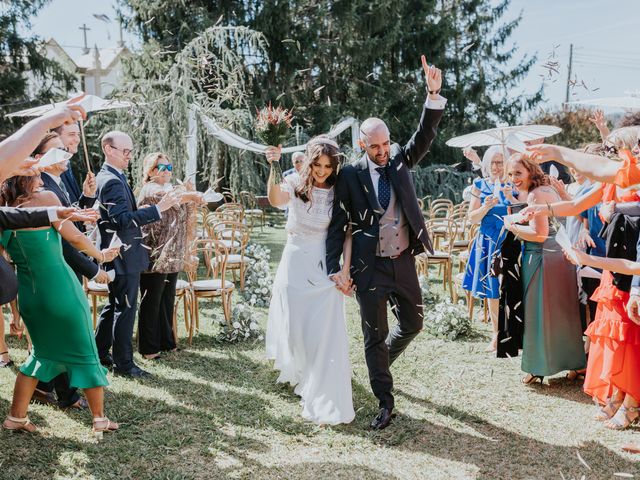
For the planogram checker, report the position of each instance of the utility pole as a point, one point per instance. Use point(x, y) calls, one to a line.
point(121, 42)
point(85, 29)
point(566, 99)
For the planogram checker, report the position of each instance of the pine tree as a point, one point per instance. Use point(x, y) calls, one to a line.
point(22, 61)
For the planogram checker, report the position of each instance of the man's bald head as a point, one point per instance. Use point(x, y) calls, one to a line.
point(372, 126)
point(375, 140)
point(117, 147)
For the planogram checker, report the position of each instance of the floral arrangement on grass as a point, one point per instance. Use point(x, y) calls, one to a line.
point(428, 297)
point(443, 319)
point(272, 127)
point(257, 280)
point(447, 320)
point(244, 326)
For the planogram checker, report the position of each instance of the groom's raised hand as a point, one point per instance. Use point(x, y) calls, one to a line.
point(434, 78)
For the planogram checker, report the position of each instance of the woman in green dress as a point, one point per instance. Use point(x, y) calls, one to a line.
point(53, 306)
point(552, 331)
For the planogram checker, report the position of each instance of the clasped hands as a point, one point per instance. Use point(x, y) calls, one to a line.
point(343, 282)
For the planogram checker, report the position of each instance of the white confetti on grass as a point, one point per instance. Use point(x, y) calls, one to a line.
point(582, 460)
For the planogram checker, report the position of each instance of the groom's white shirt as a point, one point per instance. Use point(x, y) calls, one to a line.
point(437, 104)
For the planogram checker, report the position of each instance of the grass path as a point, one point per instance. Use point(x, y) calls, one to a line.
point(214, 411)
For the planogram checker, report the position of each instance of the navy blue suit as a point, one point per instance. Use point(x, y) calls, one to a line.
point(119, 213)
point(75, 192)
point(383, 280)
point(81, 264)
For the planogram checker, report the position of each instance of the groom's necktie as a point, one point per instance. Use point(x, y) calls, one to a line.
point(384, 188)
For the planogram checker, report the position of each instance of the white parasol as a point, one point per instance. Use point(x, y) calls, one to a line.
point(90, 103)
point(628, 103)
point(513, 137)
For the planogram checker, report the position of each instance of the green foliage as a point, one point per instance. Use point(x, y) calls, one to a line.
point(441, 181)
point(211, 74)
point(21, 59)
point(577, 129)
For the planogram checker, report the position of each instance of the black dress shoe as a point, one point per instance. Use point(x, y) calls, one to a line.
point(383, 419)
point(107, 361)
point(45, 398)
point(135, 372)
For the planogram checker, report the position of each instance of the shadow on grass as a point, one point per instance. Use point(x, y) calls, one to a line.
point(566, 389)
point(499, 453)
point(162, 441)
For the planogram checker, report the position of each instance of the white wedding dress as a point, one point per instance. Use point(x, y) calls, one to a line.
point(306, 331)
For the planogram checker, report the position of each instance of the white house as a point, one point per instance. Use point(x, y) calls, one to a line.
point(99, 70)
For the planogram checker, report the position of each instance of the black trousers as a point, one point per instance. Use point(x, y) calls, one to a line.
point(155, 318)
point(115, 326)
point(395, 281)
point(65, 393)
point(589, 286)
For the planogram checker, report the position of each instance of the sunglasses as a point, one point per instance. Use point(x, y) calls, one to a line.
point(164, 166)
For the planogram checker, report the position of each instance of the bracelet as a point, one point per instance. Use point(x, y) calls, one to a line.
point(433, 92)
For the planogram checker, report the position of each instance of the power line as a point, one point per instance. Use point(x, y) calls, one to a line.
point(607, 52)
point(606, 65)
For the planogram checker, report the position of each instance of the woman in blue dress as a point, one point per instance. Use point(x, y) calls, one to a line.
point(490, 198)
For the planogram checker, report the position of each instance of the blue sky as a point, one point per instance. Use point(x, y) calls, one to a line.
point(605, 34)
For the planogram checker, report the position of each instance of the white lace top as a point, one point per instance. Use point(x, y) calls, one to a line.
point(311, 218)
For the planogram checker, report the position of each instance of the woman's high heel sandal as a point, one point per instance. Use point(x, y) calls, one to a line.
point(531, 379)
point(18, 424)
point(103, 424)
point(5, 363)
point(608, 410)
point(622, 419)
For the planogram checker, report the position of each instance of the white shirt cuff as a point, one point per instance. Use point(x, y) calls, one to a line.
point(437, 104)
point(159, 211)
point(635, 291)
point(52, 212)
point(475, 167)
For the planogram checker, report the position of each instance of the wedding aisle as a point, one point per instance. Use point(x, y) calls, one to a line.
point(214, 410)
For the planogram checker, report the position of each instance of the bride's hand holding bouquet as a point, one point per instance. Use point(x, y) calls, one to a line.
point(272, 127)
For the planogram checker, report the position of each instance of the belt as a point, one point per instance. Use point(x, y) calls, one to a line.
point(391, 257)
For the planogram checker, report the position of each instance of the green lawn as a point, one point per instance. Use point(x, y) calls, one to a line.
point(215, 411)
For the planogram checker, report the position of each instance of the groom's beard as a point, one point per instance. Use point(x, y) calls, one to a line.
point(381, 160)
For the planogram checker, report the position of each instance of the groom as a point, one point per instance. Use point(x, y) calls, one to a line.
point(376, 197)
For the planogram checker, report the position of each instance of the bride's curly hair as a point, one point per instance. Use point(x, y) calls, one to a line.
point(537, 177)
point(317, 146)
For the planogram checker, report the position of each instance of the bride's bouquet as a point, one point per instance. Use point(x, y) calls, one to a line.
point(272, 126)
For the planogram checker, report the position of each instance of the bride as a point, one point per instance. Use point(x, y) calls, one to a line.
point(306, 331)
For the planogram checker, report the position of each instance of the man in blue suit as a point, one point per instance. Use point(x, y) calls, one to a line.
point(121, 216)
point(52, 180)
point(84, 197)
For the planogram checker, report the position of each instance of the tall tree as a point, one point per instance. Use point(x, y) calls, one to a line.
point(27, 76)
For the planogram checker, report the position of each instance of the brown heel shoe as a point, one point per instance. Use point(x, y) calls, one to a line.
point(622, 419)
point(19, 424)
point(103, 424)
